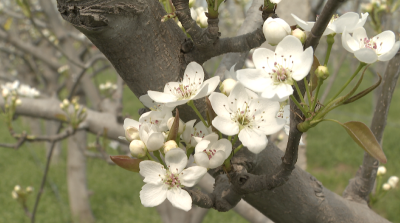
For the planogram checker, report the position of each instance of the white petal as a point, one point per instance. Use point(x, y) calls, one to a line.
point(254, 79)
point(202, 92)
point(349, 43)
point(360, 23)
point(130, 122)
point(389, 55)
point(153, 195)
point(263, 59)
point(190, 176)
point(187, 133)
point(225, 126)
point(193, 74)
point(161, 97)
point(290, 46)
point(328, 31)
point(282, 91)
point(349, 19)
point(220, 104)
point(212, 84)
point(171, 86)
point(180, 199)
point(202, 145)
point(143, 132)
point(152, 172)
point(176, 103)
point(155, 141)
point(366, 55)
point(201, 159)
point(217, 160)
point(304, 25)
point(284, 24)
point(387, 38)
point(147, 101)
point(238, 98)
point(302, 67)
point(176, 160)
point(223, 145)
point(359, 34)
point(212, 137)
point(253, 141)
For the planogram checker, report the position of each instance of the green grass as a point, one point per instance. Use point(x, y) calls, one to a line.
point(333, 158)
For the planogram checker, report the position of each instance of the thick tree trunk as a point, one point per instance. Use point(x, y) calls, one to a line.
point(76, 177)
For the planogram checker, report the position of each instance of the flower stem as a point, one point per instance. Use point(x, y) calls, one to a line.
point(237, 149)
point(157, 154)
point(189, 151)
point(360, 66)
point(299, 93)
point(234, 140)
point(314, 103)
point(330, 40)
point(149, 156)
point(298, 105)
point(191, 104)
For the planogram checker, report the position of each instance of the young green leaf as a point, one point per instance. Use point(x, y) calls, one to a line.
point(127, 162)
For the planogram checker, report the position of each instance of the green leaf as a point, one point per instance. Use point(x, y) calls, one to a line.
point(364, 137)
point(173, 132)
point(127, 162)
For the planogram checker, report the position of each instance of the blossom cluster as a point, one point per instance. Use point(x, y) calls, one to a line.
point(19, 89)
point(253, 104)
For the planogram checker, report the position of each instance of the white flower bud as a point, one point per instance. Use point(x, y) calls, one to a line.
point(17, 188)
point(300, 34)
point(193, 13)
point(227, 86)
point(386, 186)
point(18, 101)
point(138, 148)
point(381, 171)
point(181, 125)
point(14, 195)
point(29, 189)
point(393, 180)
point(275, 30)
point(203, 19)
point(171, 144)
point(131, 133)
point(5, 92)
point(65, 102)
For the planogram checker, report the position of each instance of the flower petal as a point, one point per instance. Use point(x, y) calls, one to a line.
point(238, 98)
point(252, 140)
point(212, 137)
point(201, 159)
point(176, 160)
point(263, 59)
point(220, 104)
point(194, 74)
point(152, 172)
point(387, 39)
point(359, 34)
point(282, 91)
point(223, 145)
point(225, 126)
point(190, 176)
point(366, 55)
point(302, 67)
point(360, 23)
point(212, 84)
point(289, 46)
point(217, 160)
point(349, 19)
point(176, 103)
point(254, 79)
point(202, 92)
point(155, 141)
point(161, 97)
point(304, 25)
point(349, 43)
point(153, 195)
point(130, 122)
point(187, 133)
point(202, 145)
point(180, 199)
point(389, 55)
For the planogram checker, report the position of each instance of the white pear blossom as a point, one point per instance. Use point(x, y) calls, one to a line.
point(157, 118)
point(131, 128)
point(192, 135)
point(381, 171)
point(154, 106)
point(350, 20)
point(381, 47)
point(27, 91)
point(192, 87)
point(138, 148)
point(151, 136)
point(247, 115)
point(164, 184)
point(275, 30)
point(227, 85)
point(386, 186)
point(276, 71)
point(393, 180)
point(211, 152)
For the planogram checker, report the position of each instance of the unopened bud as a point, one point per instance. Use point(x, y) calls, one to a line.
point(138, 148)
point(275, 30)
point(322, 72)
point(203, 20)
point(5, 92)
point(393, 180)
point(17, 188)
point(29, 189)
point(171, 144)
point(76, 107)
point(386, 186)
point(131, 133)
point(227, 86)
point(381, 171)
point(299, 34)
point(18, 101)
point(181, 125)
point(65, 102)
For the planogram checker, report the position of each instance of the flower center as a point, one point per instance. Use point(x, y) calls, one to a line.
point(172, 180)
point(242, 117)
point(210, 153)
point(371, 44)
point(183, 92)
point(282, 70)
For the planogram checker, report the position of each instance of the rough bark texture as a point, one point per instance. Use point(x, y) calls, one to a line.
point(147, 53)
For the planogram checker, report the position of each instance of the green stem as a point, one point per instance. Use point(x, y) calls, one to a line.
point(299, 93)
point(307, 90)
point(189, 151)
point(149, 156)
point(237, 149)
point(314, 103)
point(234, 140)
point(330, 40)
point(157, 154)
point(191, 104)
point(230, 138)
point(360, 66)
point(299, 106)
